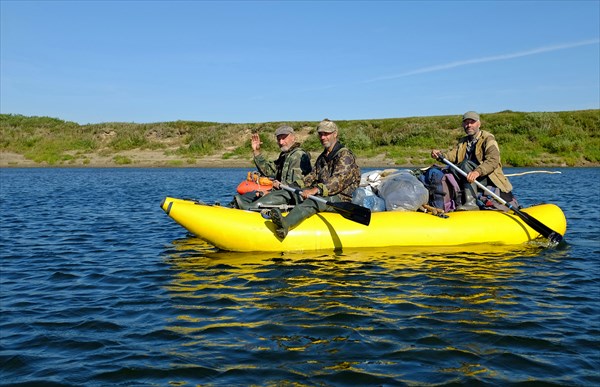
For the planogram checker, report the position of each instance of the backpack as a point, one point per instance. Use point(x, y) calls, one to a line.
point(444, 191)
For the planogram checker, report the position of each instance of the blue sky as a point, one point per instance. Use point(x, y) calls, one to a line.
point(261, 61)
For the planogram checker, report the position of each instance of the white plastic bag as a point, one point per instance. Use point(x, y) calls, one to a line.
point(402, 191)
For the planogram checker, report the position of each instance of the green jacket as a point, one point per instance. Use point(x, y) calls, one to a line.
point(289, 166)
point(334, 174)
point(487, 154)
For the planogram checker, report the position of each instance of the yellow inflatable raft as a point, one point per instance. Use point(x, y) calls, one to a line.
point(237, 230)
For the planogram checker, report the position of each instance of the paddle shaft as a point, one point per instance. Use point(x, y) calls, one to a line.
point(298, 191)
point(535, 224)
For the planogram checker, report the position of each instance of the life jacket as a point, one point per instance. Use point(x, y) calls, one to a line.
point(255, 182)
point(444, 191)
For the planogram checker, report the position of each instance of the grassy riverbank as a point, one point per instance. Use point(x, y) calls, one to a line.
point(570, 138)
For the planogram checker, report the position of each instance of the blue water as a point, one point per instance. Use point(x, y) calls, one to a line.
point(99, 287)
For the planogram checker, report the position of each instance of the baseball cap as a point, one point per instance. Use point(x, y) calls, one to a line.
point(471, 116)
point(284, 129)
point(327, 126)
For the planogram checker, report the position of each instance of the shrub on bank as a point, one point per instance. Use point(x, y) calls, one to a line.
point(527, 139)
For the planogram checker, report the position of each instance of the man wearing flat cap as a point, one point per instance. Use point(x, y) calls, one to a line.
point(334, 177)
point(478, 154)
point(291, 165)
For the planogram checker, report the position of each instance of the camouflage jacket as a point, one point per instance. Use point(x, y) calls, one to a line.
point(487, 156)
point(290, 166)
point(334, 174)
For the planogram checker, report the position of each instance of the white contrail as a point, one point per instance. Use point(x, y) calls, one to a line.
point(486, 59)
point(455, 64)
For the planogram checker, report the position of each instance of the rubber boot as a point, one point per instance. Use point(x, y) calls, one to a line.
point(281, 226)
point(469, 198)
point(294, 218)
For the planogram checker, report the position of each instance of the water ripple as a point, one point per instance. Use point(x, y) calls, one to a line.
point(100, 288)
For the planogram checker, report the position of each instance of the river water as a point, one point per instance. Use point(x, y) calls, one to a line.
point(99, 287)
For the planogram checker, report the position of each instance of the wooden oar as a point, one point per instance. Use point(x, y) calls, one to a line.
point(553, 236)
point(348, 210)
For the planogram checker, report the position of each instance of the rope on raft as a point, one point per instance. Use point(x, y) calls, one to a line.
point(528, 172)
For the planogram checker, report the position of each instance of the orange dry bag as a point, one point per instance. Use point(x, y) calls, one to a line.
point(254, 182)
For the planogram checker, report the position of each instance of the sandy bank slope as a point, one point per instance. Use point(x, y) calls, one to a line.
point(149, 158)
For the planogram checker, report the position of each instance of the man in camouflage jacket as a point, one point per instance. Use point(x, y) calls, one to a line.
point(335, 176)
point(291, 165)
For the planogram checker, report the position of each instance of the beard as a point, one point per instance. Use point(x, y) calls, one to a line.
point(471, 132)
point(328, 142)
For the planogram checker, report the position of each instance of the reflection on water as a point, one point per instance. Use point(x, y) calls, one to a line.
point(338, 315)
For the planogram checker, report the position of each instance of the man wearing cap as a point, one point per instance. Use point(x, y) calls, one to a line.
point(478, 155)
point(335, 176)
point(291, 165)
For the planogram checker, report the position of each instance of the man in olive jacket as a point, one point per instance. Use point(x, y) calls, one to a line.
point(291, 165)
point(335, 176)
point(478, 154)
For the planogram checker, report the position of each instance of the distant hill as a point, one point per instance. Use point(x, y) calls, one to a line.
point(569, 138)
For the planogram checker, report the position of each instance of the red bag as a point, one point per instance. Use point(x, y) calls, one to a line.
point(254, 182)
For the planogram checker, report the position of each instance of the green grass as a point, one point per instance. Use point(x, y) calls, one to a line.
point(122, 160)
point(526, 139)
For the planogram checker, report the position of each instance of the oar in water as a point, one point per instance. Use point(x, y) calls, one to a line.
point(545, 231)
point(348, 210)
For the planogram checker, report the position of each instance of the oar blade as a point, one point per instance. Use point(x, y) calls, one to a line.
point(538, 226)
point(555, 238)
point(353, 212)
